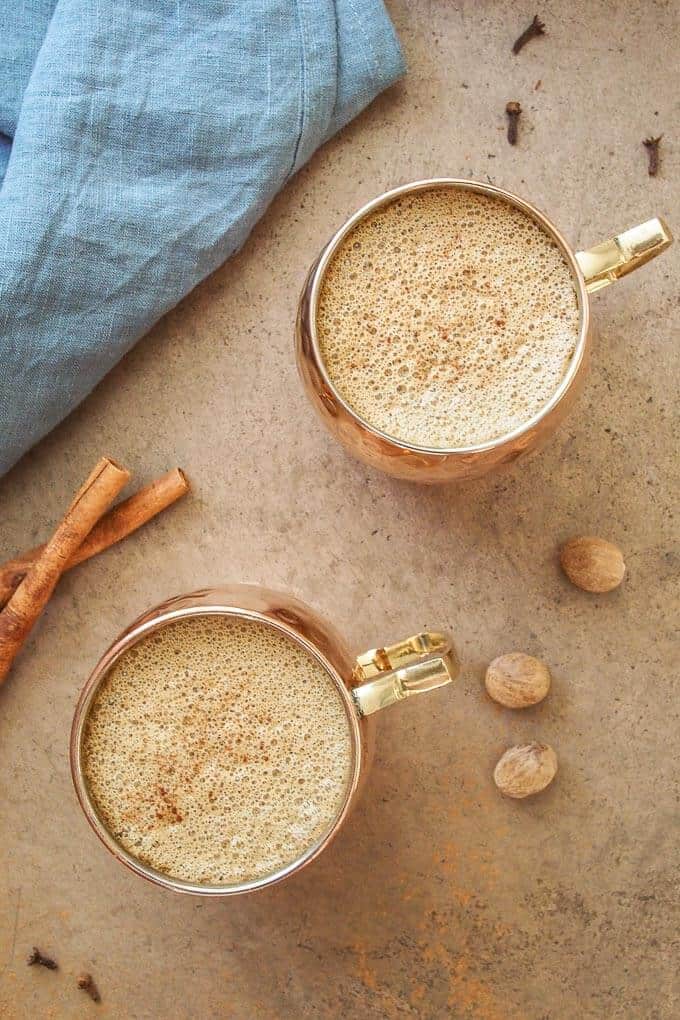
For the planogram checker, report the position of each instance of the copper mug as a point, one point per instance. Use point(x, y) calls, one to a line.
point(366, 684)
point(591, 269)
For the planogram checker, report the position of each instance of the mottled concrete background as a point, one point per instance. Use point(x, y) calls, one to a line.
point(440, 899)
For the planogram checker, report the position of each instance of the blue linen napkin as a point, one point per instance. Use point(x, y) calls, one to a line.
point(140, 141)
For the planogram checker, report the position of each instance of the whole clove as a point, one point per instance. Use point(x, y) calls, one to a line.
point(534, 29)
point(87, 984)
point(652, 147)
point(513, 110)
point(39, 959)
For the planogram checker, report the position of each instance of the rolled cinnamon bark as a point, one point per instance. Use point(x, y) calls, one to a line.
point(29, 599)
point(125, 518)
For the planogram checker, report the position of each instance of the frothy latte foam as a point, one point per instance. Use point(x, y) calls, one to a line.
point(447, 318)
point(217, 750)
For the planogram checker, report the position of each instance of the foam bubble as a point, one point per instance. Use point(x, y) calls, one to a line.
point(447, 318)
point(217, 750)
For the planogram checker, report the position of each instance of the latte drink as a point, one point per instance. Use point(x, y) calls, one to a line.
point(447, 318)
point(217, 750)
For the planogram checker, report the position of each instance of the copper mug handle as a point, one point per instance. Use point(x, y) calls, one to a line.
point(417, 665)
point(607, 262)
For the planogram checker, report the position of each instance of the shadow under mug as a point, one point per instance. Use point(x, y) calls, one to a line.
point(591, 270)
point(371, 681)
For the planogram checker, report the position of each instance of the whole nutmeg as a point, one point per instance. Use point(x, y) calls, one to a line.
point(592, 564)
point(517, 680)
point(525, 770)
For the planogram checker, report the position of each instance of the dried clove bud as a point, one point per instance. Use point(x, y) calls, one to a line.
point(36, 957)
point(652, 147)
point(513, 110)
point(535, 28)
point(87, 984)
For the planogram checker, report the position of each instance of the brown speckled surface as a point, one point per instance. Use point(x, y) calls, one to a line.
point(439, 899)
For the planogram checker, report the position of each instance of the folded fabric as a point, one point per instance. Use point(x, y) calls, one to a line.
point(140, 141)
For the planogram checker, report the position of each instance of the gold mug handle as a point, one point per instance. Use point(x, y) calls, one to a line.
point(384, 676)
point(609, 261)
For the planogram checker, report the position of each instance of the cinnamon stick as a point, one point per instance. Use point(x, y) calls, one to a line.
point(28, 601)
point(117, 524)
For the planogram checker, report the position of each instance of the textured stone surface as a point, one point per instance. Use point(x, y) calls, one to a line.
point(440, 898)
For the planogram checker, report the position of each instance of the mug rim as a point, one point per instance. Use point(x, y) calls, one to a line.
point(319, 271)
point(154, 619)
